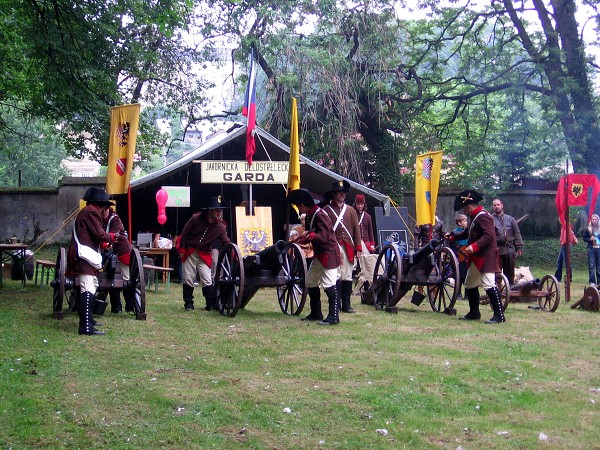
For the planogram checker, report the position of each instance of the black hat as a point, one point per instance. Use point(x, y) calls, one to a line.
point(465, 198)
point(300, 197)
point(340, 186)
point(96, 195)
point(215, 203)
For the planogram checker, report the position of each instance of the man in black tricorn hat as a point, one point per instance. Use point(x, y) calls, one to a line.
point(347, 232)
point(88, 231)
point(324, 268)
point(482, 252)
point(198, 237)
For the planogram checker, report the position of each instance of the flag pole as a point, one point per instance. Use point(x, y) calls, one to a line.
point(129, 213)
point(568, 234)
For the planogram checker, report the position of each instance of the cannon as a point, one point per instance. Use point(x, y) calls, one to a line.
point(66, 289)
point(281, 265)
point(434, 266)
point(543, 290)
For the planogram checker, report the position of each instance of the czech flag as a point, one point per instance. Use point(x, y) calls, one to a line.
point(249, 110)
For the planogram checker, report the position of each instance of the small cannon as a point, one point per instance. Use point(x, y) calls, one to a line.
point(543, 290)
point(434, 266)
point(67, 288)
point(281, 265)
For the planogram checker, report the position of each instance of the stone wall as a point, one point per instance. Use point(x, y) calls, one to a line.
point(40, 214)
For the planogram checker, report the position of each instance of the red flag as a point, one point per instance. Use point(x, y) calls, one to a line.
point(249, 110)
point(575, 193)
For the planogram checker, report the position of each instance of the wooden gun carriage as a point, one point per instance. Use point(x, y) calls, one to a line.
point(67, 288)
point(237, 278)
point(545, 291)
point(434, 266)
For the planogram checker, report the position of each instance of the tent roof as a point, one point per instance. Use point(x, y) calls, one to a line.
point(314, 177)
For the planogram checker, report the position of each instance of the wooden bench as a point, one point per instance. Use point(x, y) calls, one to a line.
point(158, 270)
point(46, 267)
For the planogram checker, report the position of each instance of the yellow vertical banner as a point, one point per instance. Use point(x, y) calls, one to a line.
point(427, 183)
point(124, 122)
point(294, 169)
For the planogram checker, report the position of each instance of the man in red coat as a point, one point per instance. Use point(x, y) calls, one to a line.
point(324, 268)
point(122, 248)
point(88, 231)
point(347, 232)
point(198, 238)
point(482, 253)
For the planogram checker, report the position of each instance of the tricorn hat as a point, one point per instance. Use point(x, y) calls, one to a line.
point(360, 198)
point(465, 198)
point(96, 195)
point(340, 186)
point(300, 197)
point(215, 203)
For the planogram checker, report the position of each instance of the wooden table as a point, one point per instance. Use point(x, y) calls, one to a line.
point(164, 252)
point(7, 251)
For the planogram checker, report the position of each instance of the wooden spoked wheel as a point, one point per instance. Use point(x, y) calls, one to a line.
point(549, 286)
point(386, 277)
point(137, 284)
point(442, 296)
point(58, 284)
point(229, 280)
point(292, 294)
point(504, 288)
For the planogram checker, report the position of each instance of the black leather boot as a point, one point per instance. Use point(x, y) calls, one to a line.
point(314, 294)
point(496, 304)
point(209, 296)
point(129, 296)
point(188, 297)
point(473, 297)
point(345, 294)
point(333, 318)
point(115, 301)
point(85, 314)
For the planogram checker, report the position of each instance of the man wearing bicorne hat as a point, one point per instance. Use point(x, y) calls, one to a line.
point(347, 233)
point(323, 270)
point(198, 237)
point(482, 253)
point(88, 231)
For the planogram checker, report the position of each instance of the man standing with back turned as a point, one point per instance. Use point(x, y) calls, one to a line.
point(508, 238)
point(482, 253)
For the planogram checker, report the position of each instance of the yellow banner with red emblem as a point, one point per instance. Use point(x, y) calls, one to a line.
point(124, 122)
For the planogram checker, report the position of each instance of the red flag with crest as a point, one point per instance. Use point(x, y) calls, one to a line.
point(576, 193)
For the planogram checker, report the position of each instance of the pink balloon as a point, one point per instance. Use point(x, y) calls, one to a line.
point(161, 200)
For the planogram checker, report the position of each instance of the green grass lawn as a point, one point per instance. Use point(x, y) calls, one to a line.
point(263, 380)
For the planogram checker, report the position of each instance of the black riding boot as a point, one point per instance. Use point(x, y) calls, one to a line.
point(333, 318)
point(84, 308)
point(346, 293)
point(129, 296)
point(188, 296)
point(314, 294)
point(115, 301)
point(209, 296)
point(338, 287)
point(496, 304)
point(473, 297)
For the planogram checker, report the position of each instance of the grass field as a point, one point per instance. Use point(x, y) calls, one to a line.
point(263, 380)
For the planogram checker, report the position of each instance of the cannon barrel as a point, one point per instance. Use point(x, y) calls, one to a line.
point(527, 285)
point(267, 258)
point(423, 252)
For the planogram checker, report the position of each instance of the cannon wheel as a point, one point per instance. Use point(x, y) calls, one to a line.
point(292, 295)
point(59, 284)
point(137, 284)
point(550, 301)
point(442, 296)
point(386, 277)
point(229, 280)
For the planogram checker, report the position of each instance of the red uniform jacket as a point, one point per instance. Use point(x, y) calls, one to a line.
point(90, 232)
point(322, 237)
point(482, 238)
